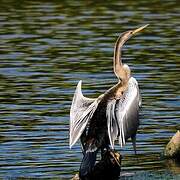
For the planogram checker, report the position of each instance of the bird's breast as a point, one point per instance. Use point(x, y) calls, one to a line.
point(115, 92)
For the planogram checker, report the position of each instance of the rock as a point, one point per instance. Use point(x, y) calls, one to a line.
point(172, 149)
point(108, 168)
point(173, 165)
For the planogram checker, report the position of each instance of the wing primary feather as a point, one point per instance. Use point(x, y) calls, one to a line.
point(82, 110)
point(111, 122)
point(124, 112)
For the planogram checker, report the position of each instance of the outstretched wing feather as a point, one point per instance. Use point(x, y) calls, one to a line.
point(122, 114)
point(81, 112)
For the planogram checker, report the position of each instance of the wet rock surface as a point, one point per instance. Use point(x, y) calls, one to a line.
point(172, 149)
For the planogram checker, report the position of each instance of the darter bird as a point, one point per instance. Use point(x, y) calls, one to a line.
point(114, 114)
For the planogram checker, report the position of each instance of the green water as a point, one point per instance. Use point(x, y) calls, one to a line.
point(46, 47)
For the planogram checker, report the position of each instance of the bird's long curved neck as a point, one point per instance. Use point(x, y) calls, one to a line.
point(117, 54)
point(117, 62)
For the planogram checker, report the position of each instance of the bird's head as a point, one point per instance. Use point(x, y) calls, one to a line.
point(123, 71)
point(128, 34)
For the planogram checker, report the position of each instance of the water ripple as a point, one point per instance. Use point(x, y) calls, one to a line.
point(47, 47)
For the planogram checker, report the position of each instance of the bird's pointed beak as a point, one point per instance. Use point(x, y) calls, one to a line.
point(139, 29)
point(116, 157)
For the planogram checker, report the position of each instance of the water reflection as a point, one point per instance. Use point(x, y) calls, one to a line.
point(173, 165)
point(46, 47)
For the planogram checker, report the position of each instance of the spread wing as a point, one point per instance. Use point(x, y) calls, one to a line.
point(122, 114)
point(82, 110)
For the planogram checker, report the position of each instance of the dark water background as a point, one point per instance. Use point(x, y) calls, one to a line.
point(46, 47)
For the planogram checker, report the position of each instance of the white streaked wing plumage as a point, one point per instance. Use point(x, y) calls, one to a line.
point(122, 114)
point(81, 112)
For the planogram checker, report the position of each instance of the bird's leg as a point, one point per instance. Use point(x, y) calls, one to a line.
point(134, 142)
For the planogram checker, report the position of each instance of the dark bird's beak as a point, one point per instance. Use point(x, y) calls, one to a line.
point(117, 157)
point(139, 29)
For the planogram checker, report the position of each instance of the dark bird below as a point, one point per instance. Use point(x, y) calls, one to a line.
point(108, 168)
point(114, 114)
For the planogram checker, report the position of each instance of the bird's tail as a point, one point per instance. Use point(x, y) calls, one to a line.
point(87, 163)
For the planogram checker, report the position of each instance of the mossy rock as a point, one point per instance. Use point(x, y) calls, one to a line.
point(172, 149)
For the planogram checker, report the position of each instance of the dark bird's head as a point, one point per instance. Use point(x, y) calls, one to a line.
point(122, 71)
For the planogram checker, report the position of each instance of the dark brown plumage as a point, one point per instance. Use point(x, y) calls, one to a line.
point(108, 168)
